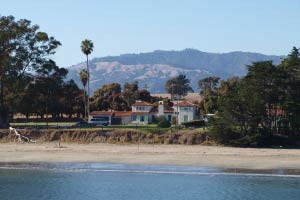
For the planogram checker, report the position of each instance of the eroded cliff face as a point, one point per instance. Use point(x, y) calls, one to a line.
point(117, 136)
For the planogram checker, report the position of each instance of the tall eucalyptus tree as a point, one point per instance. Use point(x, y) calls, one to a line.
point(23, 49)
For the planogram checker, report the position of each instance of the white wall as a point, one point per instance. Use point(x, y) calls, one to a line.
point(160, 108)
point(185, 111)
point(126, 120)
point(139, 117)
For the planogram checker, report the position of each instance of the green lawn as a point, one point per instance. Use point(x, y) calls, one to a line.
point(152, 128)
point(43, 124)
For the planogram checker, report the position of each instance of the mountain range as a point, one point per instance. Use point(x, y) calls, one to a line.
point(152, 69)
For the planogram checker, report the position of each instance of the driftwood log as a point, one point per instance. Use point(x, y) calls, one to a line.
point(21, 138)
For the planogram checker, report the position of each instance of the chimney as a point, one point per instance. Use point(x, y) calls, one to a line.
point(160, 108)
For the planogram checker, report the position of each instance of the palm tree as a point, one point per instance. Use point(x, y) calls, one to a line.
point(83, 74)
point(87, 48)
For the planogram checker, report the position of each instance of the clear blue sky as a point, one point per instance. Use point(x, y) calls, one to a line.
point(134, 26)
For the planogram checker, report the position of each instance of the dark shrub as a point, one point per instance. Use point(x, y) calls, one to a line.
point(194, 123)
point(163, 122)
point(223, 133)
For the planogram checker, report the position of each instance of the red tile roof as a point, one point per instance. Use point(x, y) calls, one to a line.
point(184, 104)
point(142, 103)
point(122, 113)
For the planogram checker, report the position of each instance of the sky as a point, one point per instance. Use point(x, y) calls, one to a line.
point(134, 26)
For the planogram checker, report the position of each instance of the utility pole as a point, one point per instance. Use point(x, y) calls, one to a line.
point(177, 112)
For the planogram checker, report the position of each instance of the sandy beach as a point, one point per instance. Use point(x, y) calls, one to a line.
point(209, 156)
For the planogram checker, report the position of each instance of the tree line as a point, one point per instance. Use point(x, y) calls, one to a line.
point(260, 109)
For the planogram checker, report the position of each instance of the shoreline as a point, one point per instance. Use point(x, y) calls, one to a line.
point(149, 168)
point(230, 158)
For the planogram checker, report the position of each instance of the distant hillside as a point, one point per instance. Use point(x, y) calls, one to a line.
point(154, 68)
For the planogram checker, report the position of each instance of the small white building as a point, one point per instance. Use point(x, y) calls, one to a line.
point(141, 112)
point(186, 111)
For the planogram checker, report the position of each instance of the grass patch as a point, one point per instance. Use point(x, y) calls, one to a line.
point(152, 128)
point(43, 124)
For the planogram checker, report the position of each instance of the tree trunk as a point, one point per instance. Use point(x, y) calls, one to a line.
point(84, 101)
point(88, 92)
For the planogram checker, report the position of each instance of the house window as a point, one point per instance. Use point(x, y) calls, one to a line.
point(153, 118)
point(186, 108)
point(169, 118)
point(142, 118)
point(140, 108)
point(133, 117)
point(185, 118)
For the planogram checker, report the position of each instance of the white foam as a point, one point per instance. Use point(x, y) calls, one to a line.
point(64, 169)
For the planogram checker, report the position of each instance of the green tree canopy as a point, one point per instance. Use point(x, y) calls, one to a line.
point(208, 88)
point(178, 86)
point(87, 47)
point(108, 97)
point(209, 83)
point(23, 49)
point(262, 105)
point(83, 75)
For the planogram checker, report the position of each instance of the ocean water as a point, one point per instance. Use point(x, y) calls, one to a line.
point(87, 181)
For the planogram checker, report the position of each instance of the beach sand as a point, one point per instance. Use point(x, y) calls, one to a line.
point(206, 156)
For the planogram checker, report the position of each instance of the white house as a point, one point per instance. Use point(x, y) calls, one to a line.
point(145, 113)
point(186, 111)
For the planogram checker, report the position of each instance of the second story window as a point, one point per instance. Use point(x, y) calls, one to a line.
point(140, 108)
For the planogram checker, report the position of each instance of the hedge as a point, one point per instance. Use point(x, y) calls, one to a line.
point(194, 123)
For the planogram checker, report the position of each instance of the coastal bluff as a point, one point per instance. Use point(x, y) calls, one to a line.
point(190, 137)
